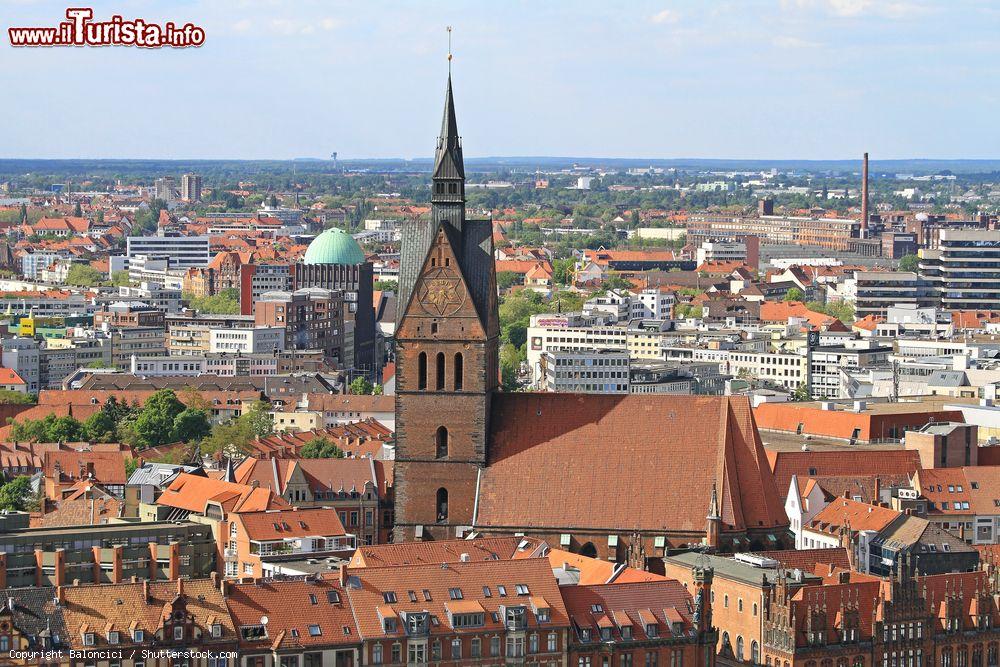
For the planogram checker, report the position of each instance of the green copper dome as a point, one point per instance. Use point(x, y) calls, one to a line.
point(334, 246)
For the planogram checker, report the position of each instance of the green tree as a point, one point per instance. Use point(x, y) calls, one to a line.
point(155, 423)
point(78, 210)
point(510, 361)
point(130, 466)
point(190, 425)
point(232, 438)
point(83, 275)
point(120, 278)
point(321, 448)
point(801, 393)
point(507, 279)
point(100, 427)
point(794, 294)
point(909, 263)
point(361, 386)
point(387, 285)
point(562, 271)
point(15, 494)
point(16, 397)
point(257, 419)
point(224, 303)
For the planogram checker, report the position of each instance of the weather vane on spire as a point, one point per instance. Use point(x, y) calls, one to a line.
point(449, 50)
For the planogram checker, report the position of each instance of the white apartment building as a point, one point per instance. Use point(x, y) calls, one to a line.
point(585, 371)
point(722, 251)
point(21, 355)
point(786, 369)
point(254, 340)
point(182, 252)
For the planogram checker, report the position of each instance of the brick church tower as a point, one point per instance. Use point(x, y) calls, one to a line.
point(446, 353)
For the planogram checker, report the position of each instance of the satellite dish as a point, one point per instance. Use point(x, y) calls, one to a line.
point(263, 620)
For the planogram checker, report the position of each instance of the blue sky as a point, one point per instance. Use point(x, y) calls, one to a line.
point(792, 79)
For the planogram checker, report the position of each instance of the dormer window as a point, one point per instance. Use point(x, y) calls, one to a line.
point(585, 634)
point(626, 631)
point(543, 615)
point(651, 630)
point(605, 634)
point(113, 637)
point(216, 630)
point(138, 636)
point(389, 625)
point(88, 639)
point(178, 633)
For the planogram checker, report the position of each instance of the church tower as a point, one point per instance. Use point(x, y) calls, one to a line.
point(446, 353)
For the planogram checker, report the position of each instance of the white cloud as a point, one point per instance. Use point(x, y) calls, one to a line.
point(242, 25)
point(329, 24)
point(789, 42)
point(667, 16)
point(890, 9)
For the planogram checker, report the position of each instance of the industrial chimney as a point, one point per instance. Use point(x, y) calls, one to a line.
point(864, 197)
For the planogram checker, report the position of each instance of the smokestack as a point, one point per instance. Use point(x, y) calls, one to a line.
point(864, 197)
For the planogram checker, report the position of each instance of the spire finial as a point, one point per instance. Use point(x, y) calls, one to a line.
point(449, 50)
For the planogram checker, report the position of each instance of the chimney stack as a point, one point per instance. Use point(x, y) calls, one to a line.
point(864, 197)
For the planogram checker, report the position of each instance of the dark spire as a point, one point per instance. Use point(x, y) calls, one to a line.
point(448, 161)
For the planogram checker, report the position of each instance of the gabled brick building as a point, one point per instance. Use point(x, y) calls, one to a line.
point(623, 477)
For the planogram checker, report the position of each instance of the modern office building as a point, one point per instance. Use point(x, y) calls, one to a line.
point(181, 252)
point(191, 187)
point(964, 271)
point(877, 291)
point(103, 553)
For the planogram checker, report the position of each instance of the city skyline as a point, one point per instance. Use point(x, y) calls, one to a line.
point(790, 79)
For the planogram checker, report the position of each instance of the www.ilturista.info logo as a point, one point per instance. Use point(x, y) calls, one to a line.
point(80, 30)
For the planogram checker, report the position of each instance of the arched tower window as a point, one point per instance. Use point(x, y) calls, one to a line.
point(588, 550)
point(441, 440)
point(442, 504)
point(422, 371)
point(440, 371)
point(459, 371)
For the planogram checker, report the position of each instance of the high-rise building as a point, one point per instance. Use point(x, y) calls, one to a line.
point(191, 187)
point(166, 188)
point(964, 271)
point(312, 317)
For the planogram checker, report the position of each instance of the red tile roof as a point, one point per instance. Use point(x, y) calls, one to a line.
point(438, 551)
point(636, 605)
point(192, 493)
point(368, 588)
point(847, 513)
point(282, 524)
point(706, 439)
point(291, 607)
point(846, 463)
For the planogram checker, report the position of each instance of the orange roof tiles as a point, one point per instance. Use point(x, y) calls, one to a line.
point(124, 607)
point(706, 440)
point(663, 602)
point(782, 311)
point(10, 376)
point(374, 587)
point(438, 551)
point(847, 513)
point(291, 607)
point(846, 463)
point(283, 524)
point(193, 493)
